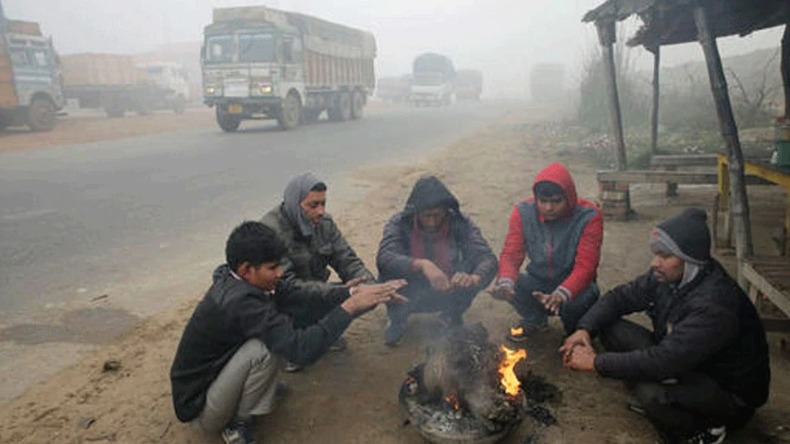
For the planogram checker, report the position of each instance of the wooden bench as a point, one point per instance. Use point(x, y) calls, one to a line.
point(769, 276)
point(671, 162)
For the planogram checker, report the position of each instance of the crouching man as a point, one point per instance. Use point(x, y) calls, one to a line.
point(227, 364)
point(703, 369)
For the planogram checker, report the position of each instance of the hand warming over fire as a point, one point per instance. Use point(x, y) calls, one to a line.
point(581, 357)
point(367, 296)
point(465, 280)
point(434, 274)
point(503, 292)
point(551, 302)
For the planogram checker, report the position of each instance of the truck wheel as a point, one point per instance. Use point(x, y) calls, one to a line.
point(340, 111)
point(290, 112)
point(41, 115)
point(227, 122)
point(357, 105)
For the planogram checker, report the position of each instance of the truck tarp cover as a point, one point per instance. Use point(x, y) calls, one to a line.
point(318, 35)
point(431, 63)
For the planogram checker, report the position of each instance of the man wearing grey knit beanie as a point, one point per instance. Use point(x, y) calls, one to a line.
point(703, 369)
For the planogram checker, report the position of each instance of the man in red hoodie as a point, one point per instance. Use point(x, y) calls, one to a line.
point(562, 236)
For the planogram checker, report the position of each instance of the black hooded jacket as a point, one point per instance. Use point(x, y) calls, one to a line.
point(472, 253)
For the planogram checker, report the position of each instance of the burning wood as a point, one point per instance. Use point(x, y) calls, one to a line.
point(467, 388)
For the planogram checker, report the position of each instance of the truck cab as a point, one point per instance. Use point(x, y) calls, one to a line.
point(433, 80)
point(30, 78)
point(253, 71)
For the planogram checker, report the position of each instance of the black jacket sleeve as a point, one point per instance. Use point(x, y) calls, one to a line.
point(624, 299)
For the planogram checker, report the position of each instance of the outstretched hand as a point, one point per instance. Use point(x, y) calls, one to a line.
point(366, 296)
point(465, 280)
point(551, 301)
point(503, 292)
point(439, 281)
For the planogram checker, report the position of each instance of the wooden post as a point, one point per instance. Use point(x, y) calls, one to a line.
point(607, 37)
point(785, 67)
point(739, 202)
point(656, 91)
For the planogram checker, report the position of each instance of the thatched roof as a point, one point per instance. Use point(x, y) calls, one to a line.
point(667, 22)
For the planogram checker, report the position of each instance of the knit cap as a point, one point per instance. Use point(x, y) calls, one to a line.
point(689, 234)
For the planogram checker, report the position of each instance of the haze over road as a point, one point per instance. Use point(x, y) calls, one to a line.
point(139, 223)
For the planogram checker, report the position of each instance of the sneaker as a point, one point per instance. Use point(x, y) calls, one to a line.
point(520, 332)
point(714, 435)
point(290, 367)
point(339, 345)
point(393, 333)
point(239, 432)
point(635, 406)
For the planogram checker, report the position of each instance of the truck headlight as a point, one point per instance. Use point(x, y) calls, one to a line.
point(212, 90)
point(260, 89)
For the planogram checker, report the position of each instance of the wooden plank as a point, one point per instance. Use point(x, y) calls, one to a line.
point(769, 289)
point(683, 160)
point(657, 176)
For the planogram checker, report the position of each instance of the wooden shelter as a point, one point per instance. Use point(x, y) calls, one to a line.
point(667, 22)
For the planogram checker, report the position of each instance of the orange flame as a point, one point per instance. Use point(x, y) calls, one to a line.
point(516, 331)
point(509, 380)
point(452, 400)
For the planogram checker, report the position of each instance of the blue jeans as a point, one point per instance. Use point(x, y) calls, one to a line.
point(535, 314)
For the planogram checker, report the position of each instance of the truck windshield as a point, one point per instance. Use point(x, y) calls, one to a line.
point(219, 49)
point(256, 47)
point(428, 79)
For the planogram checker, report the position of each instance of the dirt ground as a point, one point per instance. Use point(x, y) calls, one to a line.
point(351, 397)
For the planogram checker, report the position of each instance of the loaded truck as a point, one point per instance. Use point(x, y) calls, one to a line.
point(433, 80)
point(30, 91)
point(394, 89)
point(263, 63)
point(116, 84)
point(469, 84)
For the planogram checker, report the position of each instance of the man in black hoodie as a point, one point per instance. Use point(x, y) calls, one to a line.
point(227, 363)
point(441, 254)
point(704, 367)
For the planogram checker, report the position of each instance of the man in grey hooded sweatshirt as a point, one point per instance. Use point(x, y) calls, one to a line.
point(314, 244)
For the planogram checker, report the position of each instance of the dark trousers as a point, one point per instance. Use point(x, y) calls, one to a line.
point(535, 314)
point(683, 405)
point(423, 299)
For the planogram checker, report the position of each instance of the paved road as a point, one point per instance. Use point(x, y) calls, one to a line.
point(123, 225)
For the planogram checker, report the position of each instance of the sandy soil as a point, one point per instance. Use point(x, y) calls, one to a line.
point(351, 397)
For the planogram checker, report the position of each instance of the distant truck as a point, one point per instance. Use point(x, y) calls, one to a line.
point(30, 91)
point(394, 89)
point(116, 84)
point(468, 84)
point(263, 63)
point(433, 80)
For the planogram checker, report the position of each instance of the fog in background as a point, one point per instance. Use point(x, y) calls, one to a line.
point(503, 38)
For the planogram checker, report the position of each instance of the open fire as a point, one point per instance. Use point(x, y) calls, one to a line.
point(509, 381)
point(466, 391)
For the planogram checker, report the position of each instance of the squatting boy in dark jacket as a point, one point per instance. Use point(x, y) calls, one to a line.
point(439, 251)
point(227, 364)
point(704, 366)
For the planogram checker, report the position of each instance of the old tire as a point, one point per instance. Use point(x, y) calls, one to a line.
point(340, 111)
point(41, 115)
point(227, 122)
point(357, 105)
point(290, 112)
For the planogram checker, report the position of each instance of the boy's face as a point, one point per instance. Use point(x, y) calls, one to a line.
point(264, 276)
point(552, 207)
point(314, 206)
